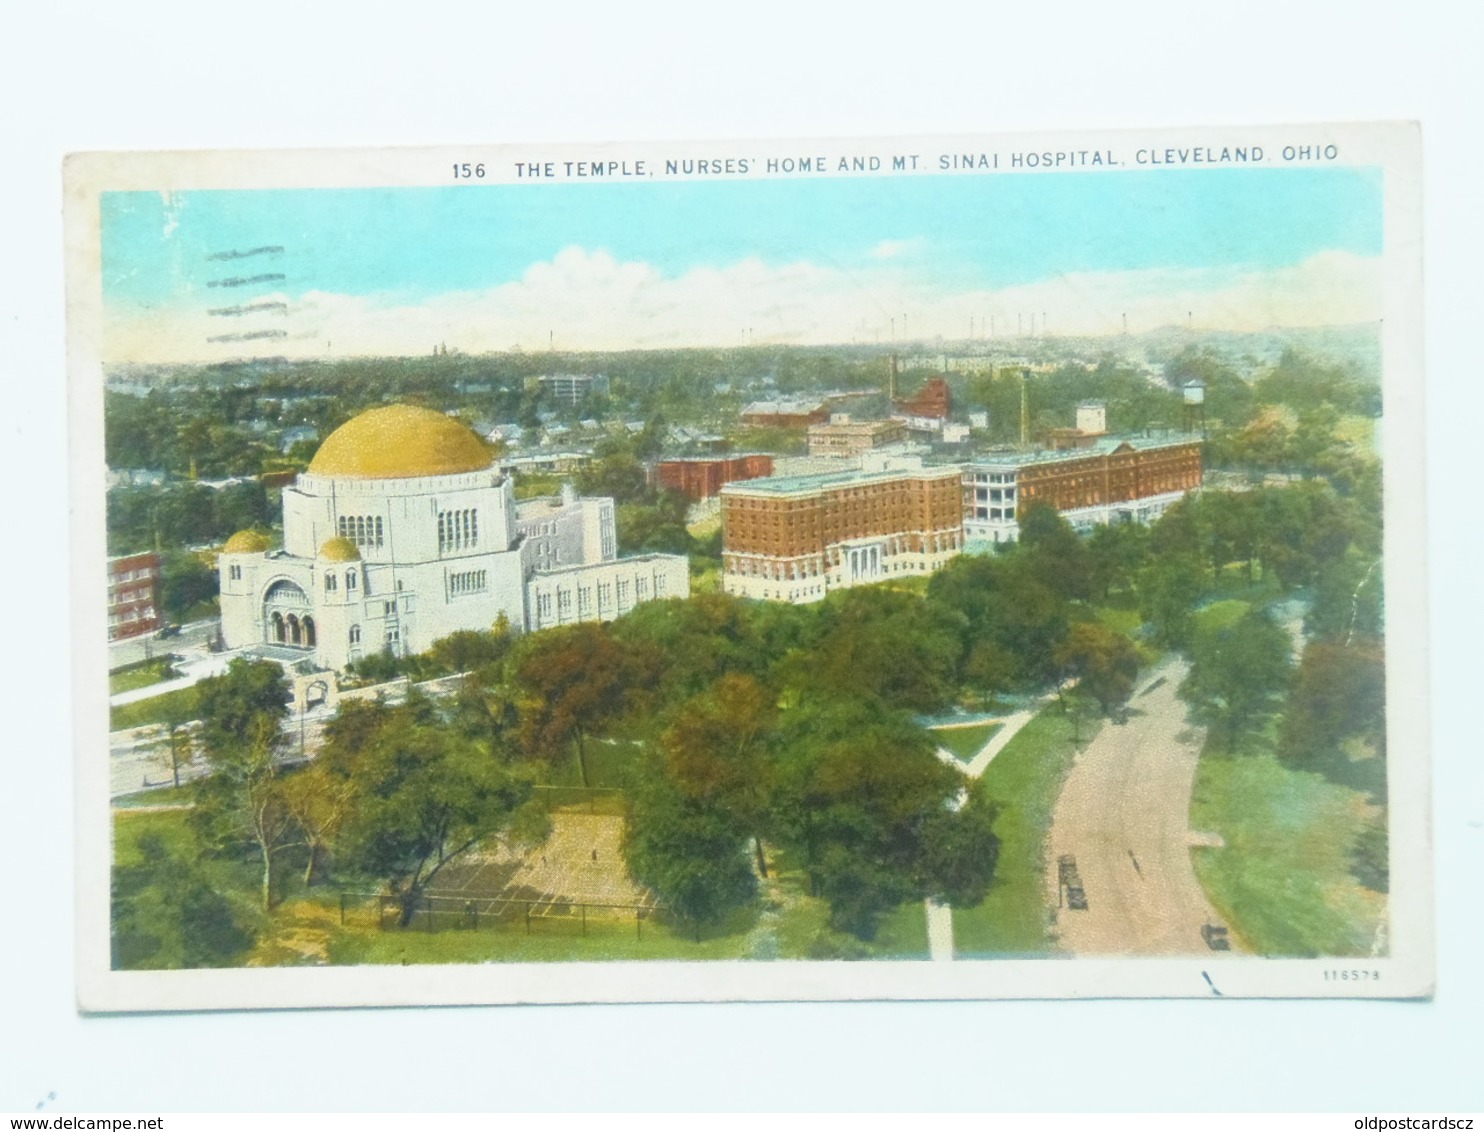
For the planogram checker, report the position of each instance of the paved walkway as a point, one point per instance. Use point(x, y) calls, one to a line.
point(196, 664)
point(1123, 817)
point(940, 916)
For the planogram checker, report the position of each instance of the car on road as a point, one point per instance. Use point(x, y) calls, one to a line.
point(1215, 937)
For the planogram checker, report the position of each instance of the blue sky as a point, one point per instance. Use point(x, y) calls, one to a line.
point(902, 239)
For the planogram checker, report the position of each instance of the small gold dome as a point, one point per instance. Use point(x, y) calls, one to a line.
point(400, 442)
point(247, 542)
point(339, 550)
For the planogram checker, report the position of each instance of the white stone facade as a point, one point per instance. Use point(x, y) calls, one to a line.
point(605, 590)
point(437, 554)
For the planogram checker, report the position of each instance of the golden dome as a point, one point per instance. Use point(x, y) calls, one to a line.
point(400, 442)
point(339, 550)
point(247, 542)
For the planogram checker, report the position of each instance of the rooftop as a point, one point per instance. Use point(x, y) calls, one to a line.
point(787, 485)
point(1102, 446)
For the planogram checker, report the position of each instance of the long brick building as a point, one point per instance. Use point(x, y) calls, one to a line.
point(704, 477)
point(1115, 479)
point(795, 538)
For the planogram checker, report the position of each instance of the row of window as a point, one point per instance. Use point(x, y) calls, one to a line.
point(468, 582)
point(559, 607)
point(996, 495)
point(363, 530)
point(133, 575)
point(393, 635)
point(332, 582)
point(123, 597)
point(458, 530)
point(131, 615)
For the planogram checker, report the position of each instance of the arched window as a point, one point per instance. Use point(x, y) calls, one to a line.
point(355, 634)
point(330, 583)
point(309, 631)
point(350, 579)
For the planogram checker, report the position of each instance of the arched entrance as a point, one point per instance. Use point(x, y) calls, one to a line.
point(286, 618)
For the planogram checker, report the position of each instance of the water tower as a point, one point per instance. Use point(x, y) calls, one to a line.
point(1193, 394)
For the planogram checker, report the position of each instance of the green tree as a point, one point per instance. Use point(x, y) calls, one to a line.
point(1169, 588)
point(959, 852)
point(1339, 693)
point(1105, 663)
point(1116, 552)
point(186, 582)
point(572, 680)
point(242, 713)
point(424, 794)
point(1238, 673)
point(716, 754)
point(885, 643)
point(691, 854)
point(1055, 553)
point(856, 789)
point(171, 909)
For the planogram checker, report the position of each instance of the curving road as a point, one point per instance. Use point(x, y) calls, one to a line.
point(1123, 815)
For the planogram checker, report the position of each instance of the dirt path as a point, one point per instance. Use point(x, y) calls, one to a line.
point(1123, 815)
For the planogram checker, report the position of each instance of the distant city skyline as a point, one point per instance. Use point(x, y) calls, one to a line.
point(334, 272)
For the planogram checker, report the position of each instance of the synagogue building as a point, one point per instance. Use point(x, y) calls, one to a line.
point(403, 530)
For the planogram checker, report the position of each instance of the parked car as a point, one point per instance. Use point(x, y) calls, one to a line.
point(1215, 937)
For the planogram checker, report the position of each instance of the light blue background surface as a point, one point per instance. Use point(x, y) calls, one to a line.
point(165, 76)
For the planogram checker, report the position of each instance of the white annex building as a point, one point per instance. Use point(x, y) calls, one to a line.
point(403, 530)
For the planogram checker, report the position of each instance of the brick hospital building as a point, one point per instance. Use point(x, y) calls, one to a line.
point(795, 538)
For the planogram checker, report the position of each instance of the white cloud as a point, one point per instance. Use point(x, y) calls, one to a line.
point(584, 299)
point(892, 249)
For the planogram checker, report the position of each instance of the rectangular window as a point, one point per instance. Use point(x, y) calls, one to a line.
point(236, 573)
point(659, 585)
point(458, 530)
point(623, 592)
point(330, 583)
point(605, 595)
point(564, 603)
point(585, 601)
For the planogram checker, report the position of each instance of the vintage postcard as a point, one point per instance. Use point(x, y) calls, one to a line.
point(945, 567)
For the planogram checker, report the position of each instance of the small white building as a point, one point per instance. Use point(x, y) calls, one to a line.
point(403, 531)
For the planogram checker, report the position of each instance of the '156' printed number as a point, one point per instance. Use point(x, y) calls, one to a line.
point(463, 171)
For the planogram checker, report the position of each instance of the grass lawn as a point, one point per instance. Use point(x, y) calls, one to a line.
point(1125, 621)
point(136, 676)
point(1220, 614)
point(1283, 879)
point(155, 709)
point(608, 764)
point(129, 827)
point(361, 941)
point(785, 923)
point(1023, 781)
point(965, 742)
